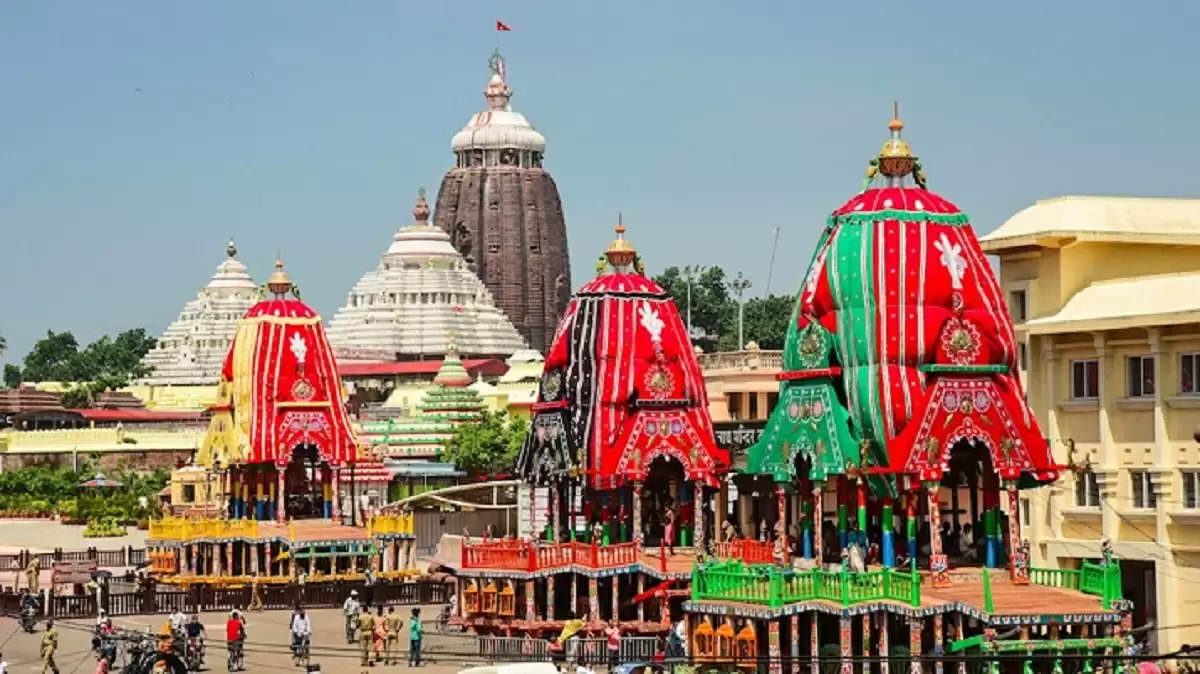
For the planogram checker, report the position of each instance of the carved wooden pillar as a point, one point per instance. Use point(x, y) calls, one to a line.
point(846, 639)
point(914, 645)
point(280, 498)
point(795, 644)
point(775, 666)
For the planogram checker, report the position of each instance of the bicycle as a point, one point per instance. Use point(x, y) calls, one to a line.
point(236, 661)
point(301, 651)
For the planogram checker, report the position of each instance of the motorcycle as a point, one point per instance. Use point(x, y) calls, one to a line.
point(28, 619)
point(194, 657)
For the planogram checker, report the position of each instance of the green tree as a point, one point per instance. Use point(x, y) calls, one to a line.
point(489, 447)
point(53, 358)
point(105, 364)
point(12, 375)
point(764, 320)
point(714, 312)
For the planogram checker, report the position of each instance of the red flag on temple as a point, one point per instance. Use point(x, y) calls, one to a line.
point(501, 26)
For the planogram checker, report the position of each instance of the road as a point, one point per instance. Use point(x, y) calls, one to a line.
point(266, 649)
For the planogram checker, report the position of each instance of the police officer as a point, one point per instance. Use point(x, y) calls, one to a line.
point(49, 645)
point(366, 633)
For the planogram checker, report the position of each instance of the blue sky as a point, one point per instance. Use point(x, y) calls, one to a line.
point(136, 137)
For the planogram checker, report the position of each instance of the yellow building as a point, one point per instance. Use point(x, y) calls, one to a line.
point(741, 384)
point(1105, 296)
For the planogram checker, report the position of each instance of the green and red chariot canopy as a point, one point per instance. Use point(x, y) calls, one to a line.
point(900, 346)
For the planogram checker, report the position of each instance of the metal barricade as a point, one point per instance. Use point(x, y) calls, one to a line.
point(640, 649)
point(513, 649)
point(587, 651)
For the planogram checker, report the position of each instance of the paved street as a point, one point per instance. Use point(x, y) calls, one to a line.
point(266, 650)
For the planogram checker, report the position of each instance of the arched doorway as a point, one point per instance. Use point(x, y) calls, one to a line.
point(970, 482)
point(663, 490)
point(305, 480)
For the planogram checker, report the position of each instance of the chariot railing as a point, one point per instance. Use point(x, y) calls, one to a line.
point(733, 580)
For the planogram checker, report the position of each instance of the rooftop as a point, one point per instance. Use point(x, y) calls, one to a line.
point(1130, 302)
point(421, 292)
point(1053, 222)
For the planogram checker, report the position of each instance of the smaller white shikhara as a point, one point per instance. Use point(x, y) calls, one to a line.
point(952, 259)
point(651, 322)
point(298, 347)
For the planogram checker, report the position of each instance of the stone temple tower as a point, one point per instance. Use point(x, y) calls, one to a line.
point(503, 213)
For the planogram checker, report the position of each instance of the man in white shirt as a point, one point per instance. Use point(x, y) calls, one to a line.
point(350, 610)
point(177, 619)
point(301, 632)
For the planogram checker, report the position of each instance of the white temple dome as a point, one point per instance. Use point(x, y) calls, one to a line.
point(498, 127)
point(419, 299)
point(192, 349)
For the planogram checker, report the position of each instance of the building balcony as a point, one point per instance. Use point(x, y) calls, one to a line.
point(740, 361)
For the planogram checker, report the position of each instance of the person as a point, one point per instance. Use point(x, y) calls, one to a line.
point(350, 611)
point(256, 602)
point(613, 632)
point(177, 620)
point(669, 529)
point(101, 619)
point(31, 575)
point(108, 641)
point(301, 633)
point(368, 586)
point(102, 665)
point(414, 638)
point(49, 646)
point(393, 624)
point(195, 630)
point(366, 627)
point(966, 544)
point(379, 632)
point(235, 638)
point(3, 664)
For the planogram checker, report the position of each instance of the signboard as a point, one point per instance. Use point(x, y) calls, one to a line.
point(531, 510)
point(736, 437)
point(68, 573)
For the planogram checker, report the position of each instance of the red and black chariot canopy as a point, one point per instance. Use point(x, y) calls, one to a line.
point(621, 387)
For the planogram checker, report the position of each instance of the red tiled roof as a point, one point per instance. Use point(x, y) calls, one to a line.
point(491, 367)
point(137, 415)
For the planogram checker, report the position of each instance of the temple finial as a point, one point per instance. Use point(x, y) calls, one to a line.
point(895, 125)
point(230, 249)
point(620, 252)
point(279, 283)
point(421, 208)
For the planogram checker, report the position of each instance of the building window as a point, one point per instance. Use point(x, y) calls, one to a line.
point(1085, 379)
point(189, 493)
point(1139, 378)
point(1087, 490)
point(1189, 367)
point(1191, 489)
point(1026, 518)
point(1023, 356)
point(1143, 489)
point(1016, 305)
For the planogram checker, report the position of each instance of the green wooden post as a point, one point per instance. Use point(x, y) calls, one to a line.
point(987, 591)
point(845, 583)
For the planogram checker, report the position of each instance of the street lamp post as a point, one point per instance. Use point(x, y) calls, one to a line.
point(739, 286)
point(690, 273)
